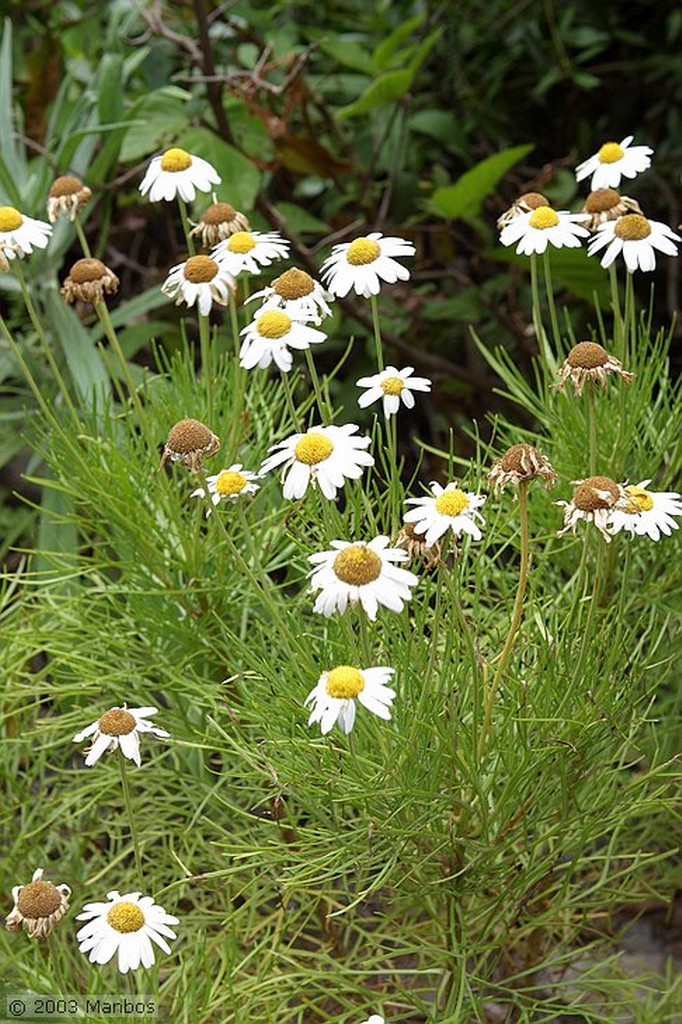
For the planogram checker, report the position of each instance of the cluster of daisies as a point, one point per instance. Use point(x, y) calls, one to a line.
point(610, 221)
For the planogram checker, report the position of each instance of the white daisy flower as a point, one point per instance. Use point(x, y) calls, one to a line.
point(361, 573)
point(19, 234)
point(126, 925)
point(228, 485)
point(326, 456)
point(637, 238)
point(651, 512)
point(177, 172)
point(333, 699)
point(199, 279)
point(38, 906)
point(119, 727)
point(613, 161)
point(393, 386)
point(364, 263)
point(298, 295)
point(270, 335)
point(447, 508)
point(250, 251)
point(543, 226)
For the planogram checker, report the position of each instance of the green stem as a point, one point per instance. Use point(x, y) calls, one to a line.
point(238, 379)
point(536, 315)
point(110, 332)
point(129, 810)
point(515, 619)
point(378, 344)
point(325, 412)
point(591, 428)
point(630, 328)
point(82, 239)
point(594, 600)
point(289, 399)
point(206, 361)
point(618, 327)
point(552, 308)
point(37, 394)
point(186, 226)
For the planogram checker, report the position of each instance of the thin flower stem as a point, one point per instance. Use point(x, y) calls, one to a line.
point(37, 393)
point(594, 600)
point(324, 410)
point(552, 307)
point(82, 239)
point(618, 327)
point(364, 640)
point(289, 399)
point(630, 328)
point(206, 361)
point(185, 226)
point(536, 315)
point(238, 378)
point(129, 810)
point(515, 619)
point(378, 344)
point(591, 428)
point(110, 332)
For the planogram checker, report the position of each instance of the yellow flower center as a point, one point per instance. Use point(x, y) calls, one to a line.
point(241, 242)
point(10, 219)
point(543, 217)
point(632, 227)
point(640, 500)
point(610, 153)
point(362, 251)
point(293, 284)
point(125, 917)
point(175, 160)
point(117, 722)
point(344, 682)
point(357, 565)
point(38, 899)
point(392, 385)
point(200, 269)
point(229, 483)
point(273, 324)
point(452, 502)
point(313, 448)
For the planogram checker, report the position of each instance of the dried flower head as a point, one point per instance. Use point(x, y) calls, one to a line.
point(38, 906)
point(593, 500)
point(190, 441)
point(589, 361)
point(521, 462)
point(606, 204)
point(417, 548)
point(298, 295)
point(217, 223)
point(525, 203)
point(67, 195)
point(88, 280)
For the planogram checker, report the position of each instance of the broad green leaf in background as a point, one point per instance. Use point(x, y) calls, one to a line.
point(387, 88)
point(240, 177)
point(159, 116)
point(571, 268)
point(12, 162)
point(388, 47)
point(86, 368)
point(465, 198)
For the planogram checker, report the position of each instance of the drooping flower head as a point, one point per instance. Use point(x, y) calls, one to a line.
point(364, 263)
point(593, 500)
point(637, 238)
point(605, 204)
point(89, 280)
point(125, 925)
point(446, 508)
point(298, 295)
point(119, 728)
point(417, 548)
point(199, 279)
point(589, 361)
point(649, 513)
point(228, 485)
point(333, 698)
point(20, 235)
point(177, 173)
point(38, 906)
point(525, 203)
point(217, 222)
point(270, 336)
point(326, 456)
point(67, 195)
point(190, 441)
point(519, 463)
point(250, 251)
point(360, 573)
point(613, 161)
point(392, 386)
point(543, 226)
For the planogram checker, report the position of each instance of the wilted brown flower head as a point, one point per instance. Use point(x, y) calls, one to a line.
point(38, 906)
point(606, 204)
point(592, 500)
point(525, 203)
point(413, 543)
point(88, 280)
point(293, 284)
point(589, 361)
point(190, 441)
point(218, 222)
point(521, 462)
point(67, 195)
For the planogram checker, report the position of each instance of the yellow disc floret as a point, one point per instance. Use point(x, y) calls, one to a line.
point(117, 722)
point(200, 269)
point(125, 917)
point(610, 153)
point(632, 227)
point(10, 219)
point(345, 682)
point(543, 217)
point(392, 385)
point(363, 251)
point(313, 448)
point(229, 482)
point(273, 324)
point(357, 565)
point(241, 242)
point(640, 500)
point(174, 160)
point(452, 502)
